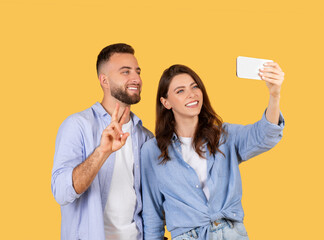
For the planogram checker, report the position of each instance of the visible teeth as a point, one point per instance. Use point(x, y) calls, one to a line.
point(132, 88)
point(191, 104)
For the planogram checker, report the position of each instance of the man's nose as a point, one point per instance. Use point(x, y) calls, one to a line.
point(136, 78)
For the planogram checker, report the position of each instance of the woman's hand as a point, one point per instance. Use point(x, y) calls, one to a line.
point(273, 76)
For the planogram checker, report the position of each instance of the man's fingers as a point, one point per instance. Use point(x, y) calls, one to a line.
point(124, 138)
point(114, 126)
point(117, 128)
point(111, 135)
point(115, 113)
point(124, 116)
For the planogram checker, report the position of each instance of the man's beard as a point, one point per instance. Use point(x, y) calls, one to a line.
point(124, 97)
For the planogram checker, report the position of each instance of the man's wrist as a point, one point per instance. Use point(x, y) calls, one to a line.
point(101, 153)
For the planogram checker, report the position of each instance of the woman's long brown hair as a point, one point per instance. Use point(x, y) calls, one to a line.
point(210, 125)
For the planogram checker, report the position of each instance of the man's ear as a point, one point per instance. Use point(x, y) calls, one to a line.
point(165, 103)
point(103, 79)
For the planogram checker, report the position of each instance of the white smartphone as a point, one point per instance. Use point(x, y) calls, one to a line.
point(247, 67)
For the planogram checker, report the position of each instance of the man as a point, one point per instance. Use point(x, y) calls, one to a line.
point(96, 173)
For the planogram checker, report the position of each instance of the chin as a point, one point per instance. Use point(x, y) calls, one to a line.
point(194, 114)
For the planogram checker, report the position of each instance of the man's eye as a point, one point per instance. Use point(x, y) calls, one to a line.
point(139, 73)
point(125, 72)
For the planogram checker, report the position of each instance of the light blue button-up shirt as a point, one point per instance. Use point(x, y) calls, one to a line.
point(77, 138)
point(175, 187)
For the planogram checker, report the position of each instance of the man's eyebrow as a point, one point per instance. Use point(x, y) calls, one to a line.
point(124, 67)
point(127, 67)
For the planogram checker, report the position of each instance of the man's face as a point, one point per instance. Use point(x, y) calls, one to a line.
point(124, 78)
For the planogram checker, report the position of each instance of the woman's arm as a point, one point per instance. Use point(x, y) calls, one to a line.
point(253, 139)
point(152, 214)
point(273, 76)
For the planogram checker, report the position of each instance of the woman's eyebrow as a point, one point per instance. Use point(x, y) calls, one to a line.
point(178, 87)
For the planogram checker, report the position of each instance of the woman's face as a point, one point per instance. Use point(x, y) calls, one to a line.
point(184, 97)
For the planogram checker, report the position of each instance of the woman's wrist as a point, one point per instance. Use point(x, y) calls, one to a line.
point(275, 96)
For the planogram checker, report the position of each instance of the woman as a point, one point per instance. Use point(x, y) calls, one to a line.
point(190, 172)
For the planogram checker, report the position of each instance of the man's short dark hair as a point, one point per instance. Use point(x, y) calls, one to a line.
point(108, 51)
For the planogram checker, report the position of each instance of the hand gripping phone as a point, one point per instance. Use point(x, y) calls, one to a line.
point(247, 67)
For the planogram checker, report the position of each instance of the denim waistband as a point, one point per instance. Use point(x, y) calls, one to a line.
point(220, 224)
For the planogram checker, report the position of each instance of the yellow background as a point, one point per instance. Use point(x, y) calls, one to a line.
point(48, 52)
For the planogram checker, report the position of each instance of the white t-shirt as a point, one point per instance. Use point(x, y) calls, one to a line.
point(121, 202)
point(197, 163)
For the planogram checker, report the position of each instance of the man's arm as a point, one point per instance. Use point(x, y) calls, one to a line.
point(112, 139)
point(84, 173)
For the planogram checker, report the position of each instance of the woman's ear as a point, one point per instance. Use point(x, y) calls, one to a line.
point(165, 103)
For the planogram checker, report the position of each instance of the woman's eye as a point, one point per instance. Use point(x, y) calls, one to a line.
point(179, 91)
point(196, 86)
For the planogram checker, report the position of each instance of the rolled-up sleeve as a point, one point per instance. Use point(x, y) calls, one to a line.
point(254, 139)
point(68, 154)
point(152, 198)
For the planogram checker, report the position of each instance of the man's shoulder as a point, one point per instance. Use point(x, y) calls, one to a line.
point(81, 119)
point(142, 130)
point(147, 133)
point(84, 116)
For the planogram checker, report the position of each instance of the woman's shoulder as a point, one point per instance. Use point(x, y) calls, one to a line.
point(150, 153)
point(150, 145)
point(230, 131)
point(231, 128)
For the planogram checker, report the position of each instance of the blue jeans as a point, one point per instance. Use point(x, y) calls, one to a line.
point(225, 230)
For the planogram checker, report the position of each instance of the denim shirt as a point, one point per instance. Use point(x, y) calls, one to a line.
point(77, 138)
point(174, 187)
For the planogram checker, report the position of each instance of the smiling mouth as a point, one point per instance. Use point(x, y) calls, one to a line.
point(192, 104)
point(133, 88)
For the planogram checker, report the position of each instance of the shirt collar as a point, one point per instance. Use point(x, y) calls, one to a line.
point(99, 109)
point(175, 139)
point(136, 120)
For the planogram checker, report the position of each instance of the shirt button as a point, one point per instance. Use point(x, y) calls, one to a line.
point(234, 215)
point(197, 186)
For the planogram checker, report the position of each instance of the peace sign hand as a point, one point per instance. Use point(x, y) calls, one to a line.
point(113, 138)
